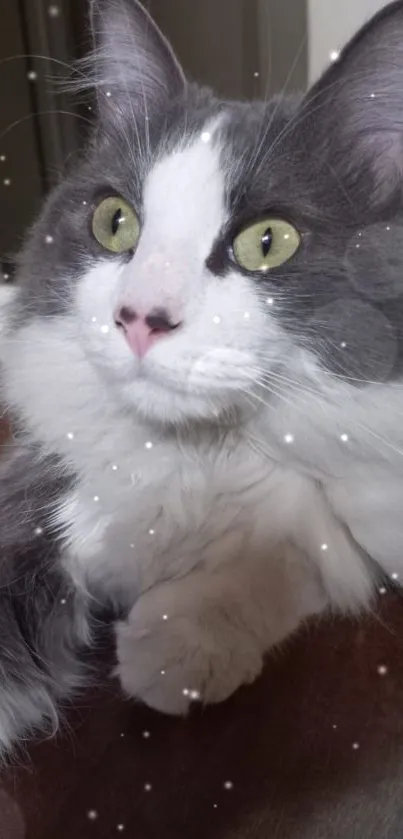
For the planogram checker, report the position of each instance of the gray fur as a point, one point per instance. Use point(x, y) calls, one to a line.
point(43, 620)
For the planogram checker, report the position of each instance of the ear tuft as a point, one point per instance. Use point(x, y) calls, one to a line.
point(133, 66)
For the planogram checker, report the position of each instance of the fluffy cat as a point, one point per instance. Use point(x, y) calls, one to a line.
point(203, 362)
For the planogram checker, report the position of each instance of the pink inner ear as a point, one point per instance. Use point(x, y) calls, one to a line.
point(384, 152)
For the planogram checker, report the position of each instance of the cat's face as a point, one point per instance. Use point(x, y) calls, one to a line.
point(205, 252)
point(173, 324)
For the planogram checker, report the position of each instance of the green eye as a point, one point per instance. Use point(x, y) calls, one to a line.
point(266, 244)
point(115, 225)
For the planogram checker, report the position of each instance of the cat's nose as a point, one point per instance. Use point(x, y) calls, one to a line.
point(142, 332)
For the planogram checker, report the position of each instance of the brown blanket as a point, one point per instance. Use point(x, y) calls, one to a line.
point(314, 750)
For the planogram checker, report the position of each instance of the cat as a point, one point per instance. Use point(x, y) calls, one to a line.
point(202, 360)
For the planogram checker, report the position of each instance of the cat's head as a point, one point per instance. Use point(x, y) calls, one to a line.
point(204, 253)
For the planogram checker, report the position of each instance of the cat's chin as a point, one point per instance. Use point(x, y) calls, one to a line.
point(168, 406)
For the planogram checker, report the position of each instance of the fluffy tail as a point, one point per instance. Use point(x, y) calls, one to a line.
point(42, 627)
point(43, 618)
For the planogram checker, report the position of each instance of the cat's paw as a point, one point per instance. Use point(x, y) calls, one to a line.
point(169, 661)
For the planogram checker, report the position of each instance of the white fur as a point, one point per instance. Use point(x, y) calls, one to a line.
point(7, 296)
point(235, 530)
point(22, 712)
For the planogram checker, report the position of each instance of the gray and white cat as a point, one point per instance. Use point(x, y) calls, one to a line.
point(203, 360)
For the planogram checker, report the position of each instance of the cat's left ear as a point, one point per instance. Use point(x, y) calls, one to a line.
point(352, 119)
point(134, 68)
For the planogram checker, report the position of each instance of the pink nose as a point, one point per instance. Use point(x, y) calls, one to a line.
point(142, 333)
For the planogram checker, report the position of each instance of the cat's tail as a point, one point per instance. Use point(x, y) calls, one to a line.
point(41, 634)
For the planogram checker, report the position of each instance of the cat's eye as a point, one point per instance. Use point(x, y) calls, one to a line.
point(115, 225)
point(265, 244)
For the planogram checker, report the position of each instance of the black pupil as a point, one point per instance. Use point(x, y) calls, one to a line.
point(267, 240)
point(116, 221)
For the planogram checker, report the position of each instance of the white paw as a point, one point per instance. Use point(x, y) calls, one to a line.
point(170, 661)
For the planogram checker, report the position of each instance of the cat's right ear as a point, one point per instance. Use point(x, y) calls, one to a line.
point(352, 119)
point(133, 67)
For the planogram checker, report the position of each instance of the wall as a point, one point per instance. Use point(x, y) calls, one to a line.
point(331, 24)
point(18, 139)
point(283, 46)
point(209, 39)
point(36, 131)
point(224, 43)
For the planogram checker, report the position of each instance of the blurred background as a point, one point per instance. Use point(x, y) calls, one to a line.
point(243, 48)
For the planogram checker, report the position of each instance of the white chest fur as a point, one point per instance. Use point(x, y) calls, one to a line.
point(182, 504)
point(162, 512)
point(172, 507)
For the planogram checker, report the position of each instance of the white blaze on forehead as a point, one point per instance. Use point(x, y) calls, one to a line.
point(184, 198)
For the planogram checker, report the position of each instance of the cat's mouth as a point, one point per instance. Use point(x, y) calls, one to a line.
point(172, 398)
point(184, 387)
point(219, 370)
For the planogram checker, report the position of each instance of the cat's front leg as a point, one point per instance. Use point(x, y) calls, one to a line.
point(203, 636)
